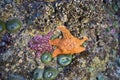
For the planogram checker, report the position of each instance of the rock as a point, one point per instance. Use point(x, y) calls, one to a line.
point(15, 77)
point(100, 77)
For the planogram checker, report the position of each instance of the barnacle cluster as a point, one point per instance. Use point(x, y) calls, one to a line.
point(38, 14)
point(112, 6)
point(76, 15)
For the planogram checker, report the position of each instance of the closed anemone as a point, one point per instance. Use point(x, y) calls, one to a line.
point(2, 26)
point(38, 74)
point(46, 57)
point(13, 25)
point(50, 74)
point(64, 60)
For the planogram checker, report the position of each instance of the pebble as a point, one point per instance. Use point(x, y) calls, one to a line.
point(20, 61)
point(8, 1)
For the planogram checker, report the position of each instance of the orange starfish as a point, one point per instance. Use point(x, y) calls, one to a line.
point(68, 44)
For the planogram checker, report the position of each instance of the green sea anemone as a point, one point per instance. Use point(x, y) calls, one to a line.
point(64, 60)
point(13, 25)
point(50, 74)
point(2, 26)
point(46, 57)
point(38, 74)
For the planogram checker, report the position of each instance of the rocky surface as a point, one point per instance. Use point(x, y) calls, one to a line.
point(97, 19)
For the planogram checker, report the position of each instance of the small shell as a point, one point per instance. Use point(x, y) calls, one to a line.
point(38, 74)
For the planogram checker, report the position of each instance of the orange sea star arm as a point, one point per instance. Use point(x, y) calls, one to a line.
point(56, 52)
point(83, 40)
point(54, 42)
point(65, 31)
point(78, 50)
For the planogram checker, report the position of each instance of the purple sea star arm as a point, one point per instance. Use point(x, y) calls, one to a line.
point(41, 44)
point(37, 38)
point(49, 34)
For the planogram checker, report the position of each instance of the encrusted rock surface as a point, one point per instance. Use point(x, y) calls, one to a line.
point(97, 19)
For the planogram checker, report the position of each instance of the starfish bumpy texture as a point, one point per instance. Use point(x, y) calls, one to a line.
point(68, 44)
point(40, 43)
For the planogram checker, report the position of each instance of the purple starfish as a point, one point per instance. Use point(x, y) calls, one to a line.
point(41, 44)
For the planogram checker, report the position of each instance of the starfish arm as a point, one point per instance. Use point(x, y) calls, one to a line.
point(65, 31)
point(38, 54)
point(56, 52)
point(83, 40)
point(78, 50)
point(49, 34)
point(54, 42)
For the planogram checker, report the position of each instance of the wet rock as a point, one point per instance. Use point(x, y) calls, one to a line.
point(8, 1)
point(15, 77)
point(100, 77)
